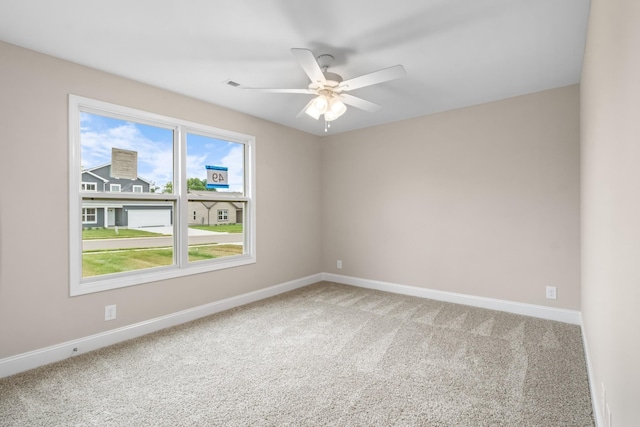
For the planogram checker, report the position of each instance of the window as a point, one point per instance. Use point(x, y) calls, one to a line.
point(89, 216)
point(189, 167)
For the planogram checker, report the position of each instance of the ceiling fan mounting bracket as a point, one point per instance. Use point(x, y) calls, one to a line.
point(325, 61)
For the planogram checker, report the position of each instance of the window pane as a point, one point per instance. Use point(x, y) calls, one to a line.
point(216, 230)
point(126, 235)
point(121, 234)
point(125, 156)
point(118, 155)
point(214, 165)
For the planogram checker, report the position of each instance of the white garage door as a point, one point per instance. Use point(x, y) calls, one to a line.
point(149, 218)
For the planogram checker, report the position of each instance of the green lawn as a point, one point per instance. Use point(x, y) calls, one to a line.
point(221, 228)
point(110, 233)
point(123, 233)
point(98, 263)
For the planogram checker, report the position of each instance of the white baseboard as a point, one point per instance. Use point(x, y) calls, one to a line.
point(596, 401)
point(550, 313)
point(25, 361)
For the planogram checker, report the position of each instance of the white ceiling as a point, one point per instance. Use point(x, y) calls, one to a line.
point(456, 52)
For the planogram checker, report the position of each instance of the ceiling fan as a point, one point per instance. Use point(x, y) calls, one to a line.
point(330, 89)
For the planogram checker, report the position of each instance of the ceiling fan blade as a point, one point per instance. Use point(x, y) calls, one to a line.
point(360, 103)
point(376, 77)
point(309, 64)
point(270, 90)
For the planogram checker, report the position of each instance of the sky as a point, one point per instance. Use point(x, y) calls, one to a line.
point(154, 145)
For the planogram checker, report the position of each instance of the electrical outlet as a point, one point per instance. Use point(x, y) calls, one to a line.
point(339, 263)
point(110, 312)
point(551, 292)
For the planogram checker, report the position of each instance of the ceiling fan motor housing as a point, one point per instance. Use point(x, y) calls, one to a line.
point(333, 79)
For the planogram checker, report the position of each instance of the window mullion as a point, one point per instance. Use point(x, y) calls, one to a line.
point(182, 226)
point(116, 212)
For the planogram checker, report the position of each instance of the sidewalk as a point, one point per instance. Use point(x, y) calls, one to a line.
point(196, 237)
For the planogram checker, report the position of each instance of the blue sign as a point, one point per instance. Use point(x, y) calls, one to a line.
point(217, 177)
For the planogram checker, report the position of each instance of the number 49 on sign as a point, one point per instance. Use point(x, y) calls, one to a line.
point(217, 177)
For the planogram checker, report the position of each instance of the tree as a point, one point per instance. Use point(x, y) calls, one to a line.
point(195, 184)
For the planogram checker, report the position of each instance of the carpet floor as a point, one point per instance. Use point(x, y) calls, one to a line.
point(327, 354)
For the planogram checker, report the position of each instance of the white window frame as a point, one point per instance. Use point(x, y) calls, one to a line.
point(137, 189)
point(223, 215)
point(182, 266)
point(85, 186)
point(115, 188)
point(85, 215)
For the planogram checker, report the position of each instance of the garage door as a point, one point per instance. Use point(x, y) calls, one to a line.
point(139, 218)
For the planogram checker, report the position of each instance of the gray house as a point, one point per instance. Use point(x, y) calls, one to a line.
point(120, 213)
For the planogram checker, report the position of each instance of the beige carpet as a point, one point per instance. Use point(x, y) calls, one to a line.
point(327, 354)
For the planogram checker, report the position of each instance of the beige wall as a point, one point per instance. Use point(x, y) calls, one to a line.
point(481, 201)
point(610, 113)
point(35, 310)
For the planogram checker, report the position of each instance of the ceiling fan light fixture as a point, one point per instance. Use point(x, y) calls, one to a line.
point(329, 88)
point(317, 107)
point(335, 110)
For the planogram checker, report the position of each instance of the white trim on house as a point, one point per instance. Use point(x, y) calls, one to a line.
point(88, 171)
point(86, 214)
point(106, 180)
point(84, 186)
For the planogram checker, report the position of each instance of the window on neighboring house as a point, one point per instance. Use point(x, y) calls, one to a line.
point(217, 167)
point(223, 215)
point(195, 215)
point(89, 186)
point(89, 216)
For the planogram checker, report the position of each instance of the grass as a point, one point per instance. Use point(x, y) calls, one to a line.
point(221, 228)
point(110, 233)
point(202, 252)
point(123, 233)
point(98, 263)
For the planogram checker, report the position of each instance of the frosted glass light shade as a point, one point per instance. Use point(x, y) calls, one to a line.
point(335, 110)
point(318, 107)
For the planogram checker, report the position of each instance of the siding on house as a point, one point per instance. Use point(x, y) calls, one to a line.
point(200, 215)
point(112, 213)
point(126, 185)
